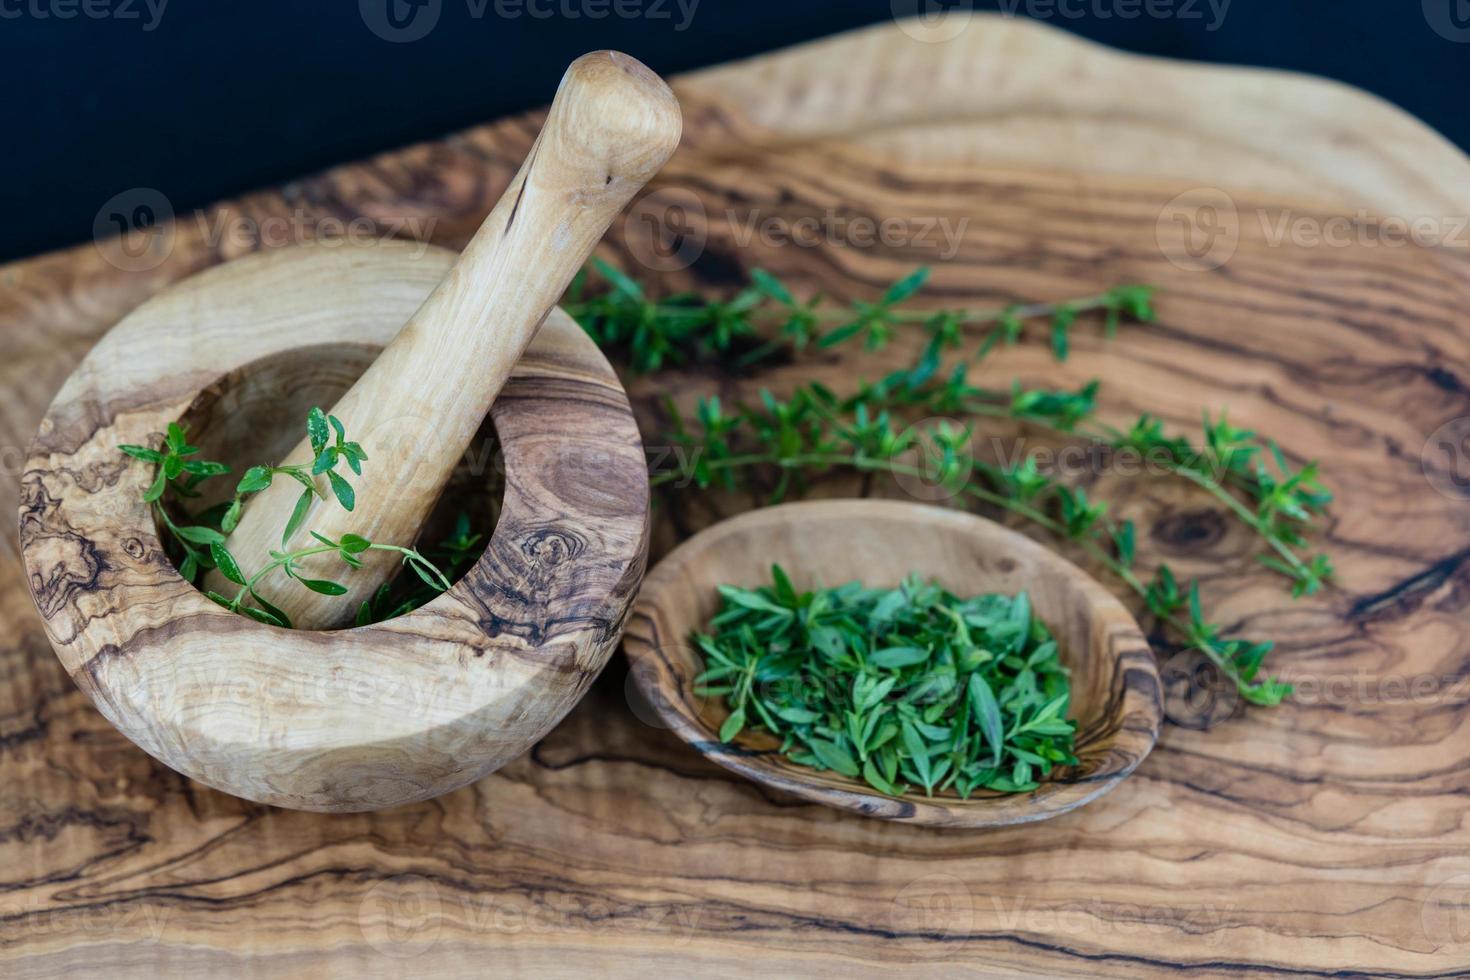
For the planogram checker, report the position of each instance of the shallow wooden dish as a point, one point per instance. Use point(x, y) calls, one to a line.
point(1115, 684)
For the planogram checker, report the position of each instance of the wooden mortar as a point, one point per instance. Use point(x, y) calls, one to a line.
point(416, 706)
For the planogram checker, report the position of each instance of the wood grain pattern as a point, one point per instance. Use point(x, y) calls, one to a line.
point(1116, 699)
point(1324, 837)
point(357, 719)
point(418, 406)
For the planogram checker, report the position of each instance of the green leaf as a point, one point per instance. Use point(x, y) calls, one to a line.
point(620, 282)
point(316, 430)
point(298, 514)
point(205, 468)
point(268, 606)
point(143, 453)
point(875, 779)
point(261, 615)
point(732, 725)
point(160, 483)
point(834, 757)
point(174, 437)
point(200, 535)
point(898, 656)
point(343, 490)
point(772, 287)
point(324, 586)
point(906, 286)
point(987, 711)
point(355, 543)
point(918, 753)
point(230, 519)
point(752, 600)
point(225, 562)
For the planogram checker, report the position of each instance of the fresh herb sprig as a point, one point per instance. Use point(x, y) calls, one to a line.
point(814, 432)
point(765, 319)
point(1249, 476)
point(201, 538)
point(778, 446)
point(906, 687)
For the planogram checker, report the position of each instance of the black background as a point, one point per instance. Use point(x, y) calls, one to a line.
point(215, 97)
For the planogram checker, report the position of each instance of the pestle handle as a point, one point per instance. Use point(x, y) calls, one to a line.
point(415, 410)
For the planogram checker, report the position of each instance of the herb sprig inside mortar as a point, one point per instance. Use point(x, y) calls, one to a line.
point(201, 537)
point(906, 688)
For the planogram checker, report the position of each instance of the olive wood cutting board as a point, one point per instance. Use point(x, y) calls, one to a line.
point(1326, 835)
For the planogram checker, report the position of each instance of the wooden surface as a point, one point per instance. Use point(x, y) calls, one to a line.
point(417, 408)
point(1328, 835)
point(358, 719)
point(1116, 697)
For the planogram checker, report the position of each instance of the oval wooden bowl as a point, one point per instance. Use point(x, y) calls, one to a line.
point(354, 719)
point(1115, 684)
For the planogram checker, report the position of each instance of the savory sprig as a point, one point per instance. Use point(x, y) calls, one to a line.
point(1249, 476)
point(201, 538)
point(765, 318)
point(813, 432)
point(905, 688)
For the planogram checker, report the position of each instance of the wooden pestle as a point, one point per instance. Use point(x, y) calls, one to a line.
point(612, 125)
